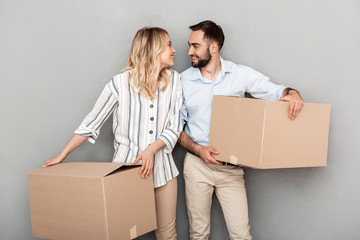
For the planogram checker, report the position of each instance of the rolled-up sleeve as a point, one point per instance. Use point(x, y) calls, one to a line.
point(101, 111)
point(174, 125)
point(260, 86)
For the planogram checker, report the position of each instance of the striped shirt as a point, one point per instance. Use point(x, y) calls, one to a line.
point(138, 122)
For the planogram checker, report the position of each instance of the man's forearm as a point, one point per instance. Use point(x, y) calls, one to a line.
point(185, 141)
point(204, 152)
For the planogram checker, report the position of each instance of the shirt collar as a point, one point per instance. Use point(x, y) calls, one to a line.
point(225, 68)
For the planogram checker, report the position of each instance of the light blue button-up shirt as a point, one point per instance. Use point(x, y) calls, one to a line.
point(233, 80)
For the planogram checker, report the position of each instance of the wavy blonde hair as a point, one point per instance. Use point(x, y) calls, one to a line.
point(144, 61)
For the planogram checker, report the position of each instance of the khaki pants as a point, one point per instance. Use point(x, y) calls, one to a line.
point(165, 201)
point(201, 180)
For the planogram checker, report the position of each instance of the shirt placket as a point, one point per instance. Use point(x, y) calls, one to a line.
point(152, 121)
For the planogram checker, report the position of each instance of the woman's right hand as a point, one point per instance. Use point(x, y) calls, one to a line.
point(53, 161)
point(74, 142)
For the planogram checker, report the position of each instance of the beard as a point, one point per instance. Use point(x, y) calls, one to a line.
point(202, 62)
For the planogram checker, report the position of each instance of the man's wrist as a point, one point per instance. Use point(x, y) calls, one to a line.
point(289, 90)
point(197, 149)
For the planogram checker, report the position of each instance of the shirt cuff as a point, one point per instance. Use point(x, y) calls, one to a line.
point(280, 91)
point(84, 131)
point(168, 145)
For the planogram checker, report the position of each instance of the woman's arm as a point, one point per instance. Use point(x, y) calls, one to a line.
point(91, 125)
point(74, 143)
point(174, 126)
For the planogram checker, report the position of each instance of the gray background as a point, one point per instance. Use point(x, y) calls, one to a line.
point(56, 56)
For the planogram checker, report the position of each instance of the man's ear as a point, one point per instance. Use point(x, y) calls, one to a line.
point(214, 47)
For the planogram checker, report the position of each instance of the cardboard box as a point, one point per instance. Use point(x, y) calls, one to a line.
point(90, 200)
point(258, 133)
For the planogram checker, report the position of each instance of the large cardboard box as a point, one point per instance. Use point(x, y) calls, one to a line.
point(90, 200)
point(258, 133)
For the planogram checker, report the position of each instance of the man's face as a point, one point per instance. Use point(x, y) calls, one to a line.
point(198, 49)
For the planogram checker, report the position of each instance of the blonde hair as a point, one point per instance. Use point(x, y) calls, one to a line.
point(144, 61)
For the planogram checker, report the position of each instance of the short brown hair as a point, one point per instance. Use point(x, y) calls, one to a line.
point(211, 30)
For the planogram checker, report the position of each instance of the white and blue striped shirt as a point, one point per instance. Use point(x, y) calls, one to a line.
point(138, 122)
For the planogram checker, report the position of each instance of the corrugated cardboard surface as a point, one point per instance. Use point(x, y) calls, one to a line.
point(301, 142)
point(81, 200)
point(259, 134)
point(64, 207)
point(129, 206)
point(227, 133)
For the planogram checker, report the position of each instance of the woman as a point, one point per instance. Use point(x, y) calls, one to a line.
point(145, 99)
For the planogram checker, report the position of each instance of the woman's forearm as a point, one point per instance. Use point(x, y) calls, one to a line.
point(73, 143)
point(156, 146)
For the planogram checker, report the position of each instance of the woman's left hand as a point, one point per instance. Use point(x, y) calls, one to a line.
point(147, 157)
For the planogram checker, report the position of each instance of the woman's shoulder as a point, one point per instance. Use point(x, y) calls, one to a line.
point(174, 74)
point(119, 81)
point(121, 78)
point(123, 75)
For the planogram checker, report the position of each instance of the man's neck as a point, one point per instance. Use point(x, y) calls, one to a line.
point(212, 69)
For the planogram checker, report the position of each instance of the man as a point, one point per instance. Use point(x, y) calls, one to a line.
point(211, 75)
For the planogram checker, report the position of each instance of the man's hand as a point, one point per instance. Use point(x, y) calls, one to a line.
point(296, 103)
point(206, 154)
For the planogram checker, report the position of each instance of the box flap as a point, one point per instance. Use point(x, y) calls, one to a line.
point(80, 169)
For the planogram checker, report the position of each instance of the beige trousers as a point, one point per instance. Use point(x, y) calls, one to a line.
point(201, 180)
point(165, 201)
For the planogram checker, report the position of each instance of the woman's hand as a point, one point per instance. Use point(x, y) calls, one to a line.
point(53, 161)
point(74, 142)
point(147, 157)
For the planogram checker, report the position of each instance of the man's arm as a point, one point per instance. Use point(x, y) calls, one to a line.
point(204, 152)
point(296, 103)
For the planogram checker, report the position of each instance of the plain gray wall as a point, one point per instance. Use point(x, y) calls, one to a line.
point(56, 56)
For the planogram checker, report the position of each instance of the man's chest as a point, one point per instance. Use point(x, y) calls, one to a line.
point(196, 93)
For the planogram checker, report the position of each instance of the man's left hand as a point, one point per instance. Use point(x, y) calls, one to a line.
point(296, 103)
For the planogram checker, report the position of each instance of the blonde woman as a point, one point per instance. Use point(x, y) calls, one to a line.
point(145, 100)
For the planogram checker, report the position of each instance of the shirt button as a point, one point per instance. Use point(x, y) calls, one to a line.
point(151, 119)
point(151, 106)
point(151, 132)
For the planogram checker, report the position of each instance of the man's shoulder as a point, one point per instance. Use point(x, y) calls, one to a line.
point(232, 66)
point(187, 74)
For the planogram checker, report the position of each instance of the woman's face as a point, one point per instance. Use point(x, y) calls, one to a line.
point(167, 56)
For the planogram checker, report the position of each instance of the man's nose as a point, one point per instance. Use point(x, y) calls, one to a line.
point(190, 52)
